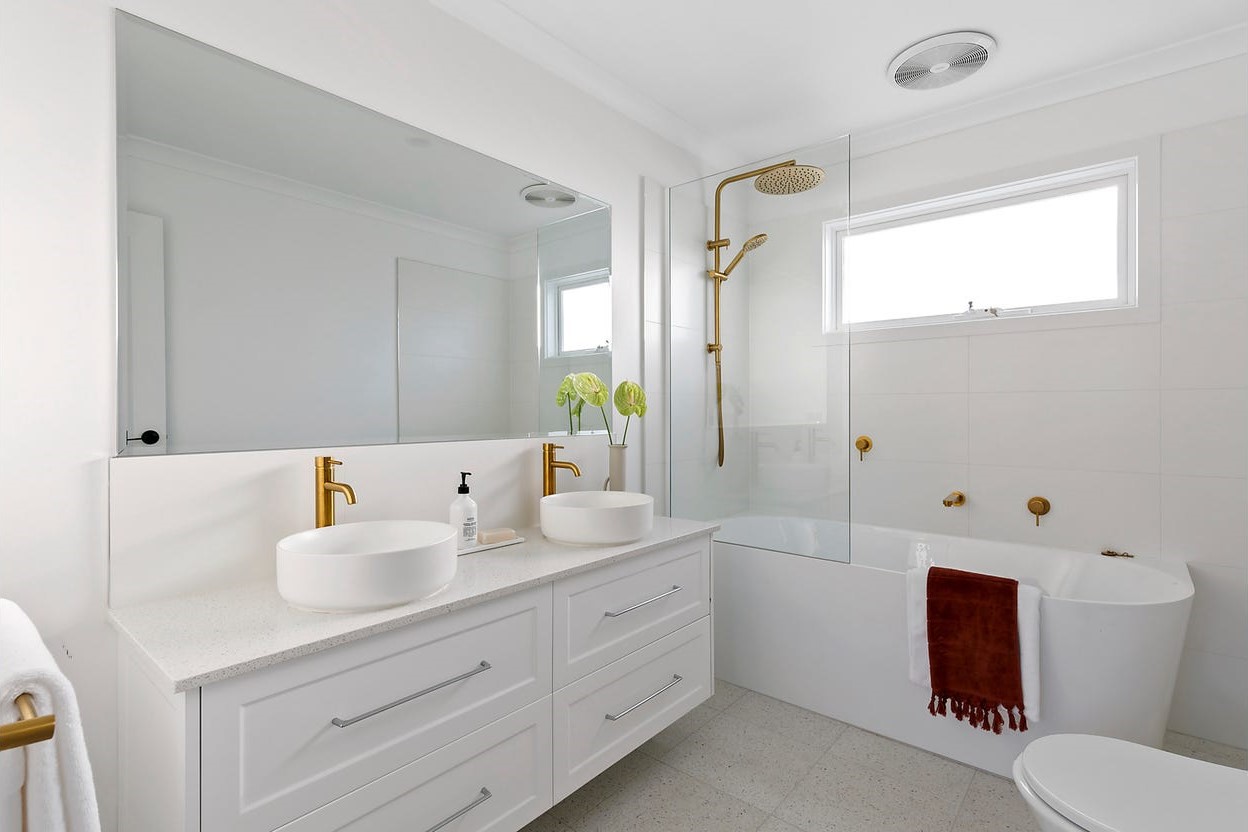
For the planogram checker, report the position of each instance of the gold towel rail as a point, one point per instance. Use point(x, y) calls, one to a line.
point(30, 728)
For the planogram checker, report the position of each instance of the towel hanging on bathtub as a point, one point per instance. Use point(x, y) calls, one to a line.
point(974, 640)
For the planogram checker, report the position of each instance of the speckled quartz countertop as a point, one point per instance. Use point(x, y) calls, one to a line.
point(194, 640)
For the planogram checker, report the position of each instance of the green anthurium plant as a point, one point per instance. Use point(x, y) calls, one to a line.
point(566, 396)
point(630, 401)
point(594, 392)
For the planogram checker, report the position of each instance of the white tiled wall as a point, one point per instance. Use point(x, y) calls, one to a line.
point(1137, 433)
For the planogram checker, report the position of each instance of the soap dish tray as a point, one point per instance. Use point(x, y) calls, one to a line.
point(486, 546)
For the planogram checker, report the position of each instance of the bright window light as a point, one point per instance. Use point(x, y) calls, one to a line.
point(1059, 244)
point(585, 317)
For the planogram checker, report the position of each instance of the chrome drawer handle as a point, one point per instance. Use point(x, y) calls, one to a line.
point(671, 591)
point(481, 798)
point(675, 678)
point(343, 723)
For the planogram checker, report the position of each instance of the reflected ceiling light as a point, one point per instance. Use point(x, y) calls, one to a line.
point(548, 196)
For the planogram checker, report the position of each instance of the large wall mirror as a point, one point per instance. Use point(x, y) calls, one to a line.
point(296, 270)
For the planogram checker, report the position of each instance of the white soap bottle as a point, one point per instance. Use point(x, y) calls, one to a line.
point(464, 514)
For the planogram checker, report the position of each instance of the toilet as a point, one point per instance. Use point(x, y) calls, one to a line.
point(1084, 783)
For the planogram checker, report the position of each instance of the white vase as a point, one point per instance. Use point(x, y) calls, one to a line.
point(617, 468)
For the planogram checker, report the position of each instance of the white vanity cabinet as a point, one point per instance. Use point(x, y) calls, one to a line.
point(485, 714)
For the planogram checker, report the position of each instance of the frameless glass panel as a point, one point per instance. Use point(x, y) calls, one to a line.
point(296, 270)
point(782, 384)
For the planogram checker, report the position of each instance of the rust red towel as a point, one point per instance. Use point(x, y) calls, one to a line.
point(972, 644)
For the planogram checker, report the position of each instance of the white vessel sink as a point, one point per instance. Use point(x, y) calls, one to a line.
point(597, 517)
point(365, 566)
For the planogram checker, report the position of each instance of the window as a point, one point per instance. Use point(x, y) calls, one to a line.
point(578, 314)
point(1056, 244)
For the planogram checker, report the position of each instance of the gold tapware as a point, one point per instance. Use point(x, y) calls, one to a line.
point(1039, 506)
point(954, 498)
point(30, 728)
point(1110, 553)
point(325, 490)
point(550, 465)
point(864, 445)
point(778, 180)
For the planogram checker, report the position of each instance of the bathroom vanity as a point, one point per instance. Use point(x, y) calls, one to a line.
point(538, 667)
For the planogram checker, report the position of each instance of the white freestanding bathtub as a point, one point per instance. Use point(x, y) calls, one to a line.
point(830, 636)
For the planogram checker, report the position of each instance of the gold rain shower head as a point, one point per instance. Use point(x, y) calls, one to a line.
point(790, 179)
point(750, 244)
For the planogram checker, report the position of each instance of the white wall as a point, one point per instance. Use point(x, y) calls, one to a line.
point(58, 243)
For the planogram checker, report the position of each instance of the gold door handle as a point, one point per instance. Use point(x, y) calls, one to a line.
point(864, 445)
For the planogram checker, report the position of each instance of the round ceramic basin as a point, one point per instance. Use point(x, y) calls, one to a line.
point(596, 517)
point(365, 566)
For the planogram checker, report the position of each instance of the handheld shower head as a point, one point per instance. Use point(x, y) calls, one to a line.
point(754, 242)
point(789, 179)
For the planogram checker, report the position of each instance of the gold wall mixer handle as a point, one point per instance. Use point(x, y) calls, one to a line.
point(1039, 506)
point(864, 445)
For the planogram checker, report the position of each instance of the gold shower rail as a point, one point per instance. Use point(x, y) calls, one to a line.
point(30, 728)
point(718, 277)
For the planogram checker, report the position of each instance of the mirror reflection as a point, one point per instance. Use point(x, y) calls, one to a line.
point(296, 270)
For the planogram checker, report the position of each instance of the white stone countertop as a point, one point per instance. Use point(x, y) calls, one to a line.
point(194, 640)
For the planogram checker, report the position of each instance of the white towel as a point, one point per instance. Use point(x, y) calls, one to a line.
point(1028, 637)
point(60, 795)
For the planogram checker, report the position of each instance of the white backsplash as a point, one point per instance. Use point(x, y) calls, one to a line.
point(197, 522)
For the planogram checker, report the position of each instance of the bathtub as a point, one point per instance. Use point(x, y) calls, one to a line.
point(830, 635)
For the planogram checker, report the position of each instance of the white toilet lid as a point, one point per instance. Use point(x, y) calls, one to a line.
point(1107, 785)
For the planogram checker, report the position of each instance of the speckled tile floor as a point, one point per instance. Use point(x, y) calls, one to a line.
point(743, 762)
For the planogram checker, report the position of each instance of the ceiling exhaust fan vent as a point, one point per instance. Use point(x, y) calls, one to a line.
point(940, 61)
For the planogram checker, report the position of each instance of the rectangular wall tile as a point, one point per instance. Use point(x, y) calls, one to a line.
point(1092, 358)
point(1209, 700)
point(1205, 519)
point(936, 365)
point(919, 428)
point(1092, 511)
point(1202, 432)
point(1205, 256)
point(907, 495)
point(1204, 344)
point(1205, 168)
point(1087, 431)
point(1219, 622)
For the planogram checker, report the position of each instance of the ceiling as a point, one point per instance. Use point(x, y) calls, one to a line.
point(181, 93)
point(736, 80)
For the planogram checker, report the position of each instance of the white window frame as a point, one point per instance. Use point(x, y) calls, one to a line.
point(1122, 173)
point(553, 311)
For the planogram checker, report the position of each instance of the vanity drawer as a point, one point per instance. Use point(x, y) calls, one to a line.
point(270, 746)
point(606, 614)
point(601, 718)
point(497, 778)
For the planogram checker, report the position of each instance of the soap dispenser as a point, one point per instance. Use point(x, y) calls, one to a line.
point(464, 514)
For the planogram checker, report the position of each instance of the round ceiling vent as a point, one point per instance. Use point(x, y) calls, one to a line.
point(548, 196)
point(942, 60)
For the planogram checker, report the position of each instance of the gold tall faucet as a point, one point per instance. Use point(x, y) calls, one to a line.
point(550, 465)
point(325, 488)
